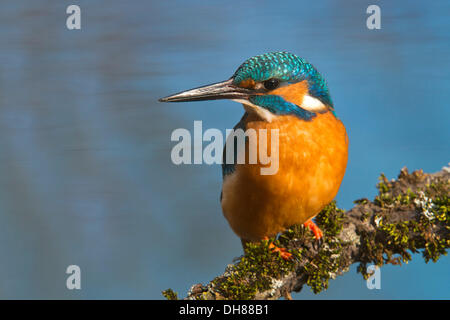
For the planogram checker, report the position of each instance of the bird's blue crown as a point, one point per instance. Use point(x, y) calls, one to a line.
point(286, 67)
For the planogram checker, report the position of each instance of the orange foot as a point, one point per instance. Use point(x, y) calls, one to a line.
point(314, 228)
point(283, 251)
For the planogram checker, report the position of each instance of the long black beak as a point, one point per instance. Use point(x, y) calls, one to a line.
point(221, 90)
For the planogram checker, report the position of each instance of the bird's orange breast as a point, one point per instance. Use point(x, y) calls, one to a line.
point(311, 165)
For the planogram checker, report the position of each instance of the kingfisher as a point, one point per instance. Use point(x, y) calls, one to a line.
point(282, 91)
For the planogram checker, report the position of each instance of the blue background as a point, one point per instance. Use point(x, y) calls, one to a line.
point(85, 170)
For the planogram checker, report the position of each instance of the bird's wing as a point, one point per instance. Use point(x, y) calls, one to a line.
point(228, 168)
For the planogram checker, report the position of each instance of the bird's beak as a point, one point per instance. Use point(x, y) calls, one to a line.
point(221, 90)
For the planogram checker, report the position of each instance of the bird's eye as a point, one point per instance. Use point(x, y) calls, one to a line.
point(271, 84)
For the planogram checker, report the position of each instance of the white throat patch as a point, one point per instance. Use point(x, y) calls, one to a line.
point(253, 108)
point(309, 103)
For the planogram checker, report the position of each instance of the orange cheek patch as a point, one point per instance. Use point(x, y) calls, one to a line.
point(249, 84)
point(293, 93)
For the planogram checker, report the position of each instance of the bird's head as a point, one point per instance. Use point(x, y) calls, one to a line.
point(270, 85)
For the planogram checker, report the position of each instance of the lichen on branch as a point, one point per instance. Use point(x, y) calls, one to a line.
point(409, 215)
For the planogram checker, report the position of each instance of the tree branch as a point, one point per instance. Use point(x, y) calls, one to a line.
point(409, 215)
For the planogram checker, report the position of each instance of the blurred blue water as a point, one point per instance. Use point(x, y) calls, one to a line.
point(85, 170)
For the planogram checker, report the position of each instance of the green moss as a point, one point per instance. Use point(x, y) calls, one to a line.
point(365, 216)
point(372, 252)
point(383, 185)
point(441, 202)
point(323, 266)
point(395, 242)
point(254, 272)
point(331, 220)
point(328, 261)
point(384, 198)
point(169, 294)
point(361, 201)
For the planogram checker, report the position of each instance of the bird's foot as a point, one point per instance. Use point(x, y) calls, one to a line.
point(318, 234)
point(283, 251)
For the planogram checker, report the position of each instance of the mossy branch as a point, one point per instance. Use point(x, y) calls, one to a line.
point(409, 215)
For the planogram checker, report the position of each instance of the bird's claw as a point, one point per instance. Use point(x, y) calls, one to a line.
point(283, 251)
point(318, 234)
point(286, 255)
point(318, 243)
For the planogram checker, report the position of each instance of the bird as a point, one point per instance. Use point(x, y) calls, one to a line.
point(280, 91)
